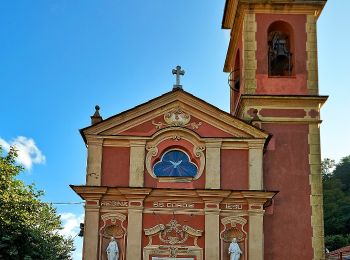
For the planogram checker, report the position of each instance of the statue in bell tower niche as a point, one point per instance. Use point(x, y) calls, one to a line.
point(112, 250)
point(234, 251)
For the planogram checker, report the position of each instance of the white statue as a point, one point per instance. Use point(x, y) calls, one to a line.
point(234, 251)
point(112, 250)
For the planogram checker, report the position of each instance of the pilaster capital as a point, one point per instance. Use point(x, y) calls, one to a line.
point(137, 143)
point(256, 143)
point(92, 208)
point(94, 140)
point(215, 143)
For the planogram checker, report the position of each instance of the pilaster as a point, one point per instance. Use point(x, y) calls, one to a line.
point(212, 170)
point(256, 164)
point(212, 231)
point(91, 227)
point(94, 161)
point(256, 232)
point(311, 50)
point(316, 198)
point(134, 231)
point(137, 163)
point(249, 52)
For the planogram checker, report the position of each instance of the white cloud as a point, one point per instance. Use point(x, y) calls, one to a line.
point(71, 224)
point(28, 152)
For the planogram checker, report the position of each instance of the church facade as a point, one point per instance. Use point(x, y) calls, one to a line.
point(178, 178)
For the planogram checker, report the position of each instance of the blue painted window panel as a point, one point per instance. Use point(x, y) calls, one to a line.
point(175, 163)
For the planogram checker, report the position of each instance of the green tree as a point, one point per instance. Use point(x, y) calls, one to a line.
point(342, 173)
point(336, 201)
point(28, 227)
point(327, 166)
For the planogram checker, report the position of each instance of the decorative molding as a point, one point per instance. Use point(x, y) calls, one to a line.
point(306, 103)
point(173, 251)
point(113, 217)
point(173, 233)
point(149, 110)
point(177, 117)
point(152, 152)
point(175, 135)
point(226, 234)
point(199, 153)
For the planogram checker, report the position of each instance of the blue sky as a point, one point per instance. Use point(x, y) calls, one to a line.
point(59, 58)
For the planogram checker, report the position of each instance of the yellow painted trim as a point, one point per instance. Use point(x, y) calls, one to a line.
point(137, 162)
point(316, 197)
point(311, 52)
point(212, 168)
point(94, 162)
point(91, 236)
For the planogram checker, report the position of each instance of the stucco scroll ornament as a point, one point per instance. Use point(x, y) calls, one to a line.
point(233, 229)
point(116, 227)
point(173, 233)
point(172, 251)
point(152, 151)
point(198, 152)
point(177, 117)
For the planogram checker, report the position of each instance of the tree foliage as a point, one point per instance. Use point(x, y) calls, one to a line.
point(28, 227)
point(336, 196)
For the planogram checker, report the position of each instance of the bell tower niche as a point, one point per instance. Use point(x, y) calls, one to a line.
point(275, 45)
point(280, 43)
point(272, 63)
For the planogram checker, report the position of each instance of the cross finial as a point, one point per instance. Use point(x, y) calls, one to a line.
point(178, 72)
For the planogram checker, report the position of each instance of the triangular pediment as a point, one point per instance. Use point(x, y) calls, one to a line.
point(175, 109)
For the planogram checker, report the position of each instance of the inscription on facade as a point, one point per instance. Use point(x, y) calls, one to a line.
point(172, 258)
point(233, 206)
point(115, 203)
point(158, 204)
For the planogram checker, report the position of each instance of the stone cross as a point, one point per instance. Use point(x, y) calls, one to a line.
point(178, 72)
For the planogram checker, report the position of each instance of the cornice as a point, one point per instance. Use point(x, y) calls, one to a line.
point(149, 194)
point(281, 101)
point(158, 106)
point(295, 6)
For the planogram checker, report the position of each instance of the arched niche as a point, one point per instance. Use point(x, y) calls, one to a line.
point(113, 225)
point(234, 227)
point(280, 49)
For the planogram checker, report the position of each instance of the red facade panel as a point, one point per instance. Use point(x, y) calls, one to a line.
point(234, 169)
point(115, 166)
point(288, 230)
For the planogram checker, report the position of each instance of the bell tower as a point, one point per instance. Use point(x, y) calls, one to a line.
point(273, 76)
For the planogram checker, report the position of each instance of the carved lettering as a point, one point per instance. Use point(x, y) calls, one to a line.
point(115, 203)
point(158, 204)
point(233, 206)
